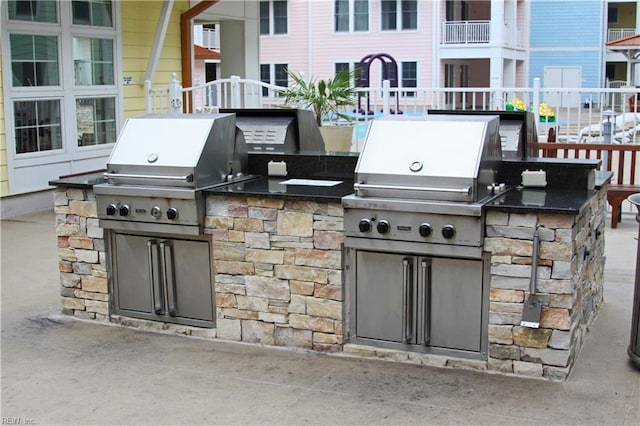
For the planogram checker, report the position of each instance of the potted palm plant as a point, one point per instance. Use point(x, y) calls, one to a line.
point(327, 99)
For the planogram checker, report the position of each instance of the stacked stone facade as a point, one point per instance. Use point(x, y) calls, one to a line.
point(278, 266)
point(278, 278)
point(570, 280)
point(81, 254)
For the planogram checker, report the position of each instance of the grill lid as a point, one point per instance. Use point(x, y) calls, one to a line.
point(177, 150)
point(436, 157)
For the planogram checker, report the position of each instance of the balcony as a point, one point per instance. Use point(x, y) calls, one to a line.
point(614, 34)
point(206, 37)
point(466, 32)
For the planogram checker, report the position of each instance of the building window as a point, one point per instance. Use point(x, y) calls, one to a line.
point(275, 74)
point(95, 120)
point(96, 13)
point(93, 61)
point(37, 125)
point(281, 77)
point(351, 15)
point(39, 90)
point(402, 14)
point(33, 10)
point(34, 60)
point(612, 15)
point(273, 17)
point(409, 77)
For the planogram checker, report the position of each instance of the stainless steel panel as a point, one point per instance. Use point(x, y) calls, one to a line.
point(433, 157)
point(390, 246)
point(379, 295)
point(162, 279)
point(417, 206)
point(404, 226)
point(417, 303)
point(159, 228)
point(456, 303)
point(192, 279)
point(135, 272)
point(186, 150)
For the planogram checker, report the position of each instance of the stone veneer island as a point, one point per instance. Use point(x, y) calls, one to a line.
point(278, 265)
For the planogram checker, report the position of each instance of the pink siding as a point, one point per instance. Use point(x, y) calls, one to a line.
point(330, 47)
point(418, 46)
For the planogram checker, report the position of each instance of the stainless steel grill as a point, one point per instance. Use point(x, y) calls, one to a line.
point(416, 275)
point(152, 208)
point(159, 166)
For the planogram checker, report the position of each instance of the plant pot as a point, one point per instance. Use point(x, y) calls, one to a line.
point(337, 138)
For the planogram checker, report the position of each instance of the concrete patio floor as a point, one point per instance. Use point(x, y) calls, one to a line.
point(59, 370)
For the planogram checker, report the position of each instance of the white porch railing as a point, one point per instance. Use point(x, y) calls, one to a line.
point(579, 113)
point(466, 32)
point(614, 34)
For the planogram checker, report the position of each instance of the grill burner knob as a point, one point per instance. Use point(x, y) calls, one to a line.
point(364, 225)
point(425, 230)
point(172, 213)
point(448, 231)
point(156, 212)
point(111, 209)
point(383, 227)
point(124, 210)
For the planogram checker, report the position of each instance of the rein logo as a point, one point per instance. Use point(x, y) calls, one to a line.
point(18, 421)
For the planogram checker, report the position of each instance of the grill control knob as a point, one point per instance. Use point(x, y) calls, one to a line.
point(172, 213)
point(124, 210)
point(448, 231)
point(383, 227)
point(425, 230)
point(156, 212)
point(111, 209)
point(364, 225)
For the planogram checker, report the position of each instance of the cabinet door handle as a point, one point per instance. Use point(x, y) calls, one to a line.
point(156, 289)
point(407, 329)
point(166, 260)
point(426, 299)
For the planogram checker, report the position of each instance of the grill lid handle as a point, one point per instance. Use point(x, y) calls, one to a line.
point(186, 178)
point(364, 186)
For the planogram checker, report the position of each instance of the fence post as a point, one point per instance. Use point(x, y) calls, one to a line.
point(536, 102)
point(175, 96)
point(147, 97)
point(235, 91)
point(385, 97)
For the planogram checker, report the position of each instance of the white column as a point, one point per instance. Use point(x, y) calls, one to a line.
point(497, 22)
point(496, 81)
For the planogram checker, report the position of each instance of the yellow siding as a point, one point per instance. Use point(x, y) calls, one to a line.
point(139, 20)
point(4, 176)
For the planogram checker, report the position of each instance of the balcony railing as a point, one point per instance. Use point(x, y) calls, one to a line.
point(466, 32)
point(614, 34)
point(206, 37)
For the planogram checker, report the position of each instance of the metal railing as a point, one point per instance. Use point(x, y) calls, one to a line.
point(207, 37)
point(466, 32)
point(614, 34)
point(576, 115)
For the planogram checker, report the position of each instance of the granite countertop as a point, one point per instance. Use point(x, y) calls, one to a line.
point(82, 180)
point(551, 200)
point(273, 187)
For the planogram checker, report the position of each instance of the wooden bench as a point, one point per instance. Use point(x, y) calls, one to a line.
point(622, 160)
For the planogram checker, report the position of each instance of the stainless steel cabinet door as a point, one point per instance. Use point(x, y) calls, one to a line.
point(164, 279)
point(134, 273)
point(381, 311)
point(456, 303)
point(188, 276)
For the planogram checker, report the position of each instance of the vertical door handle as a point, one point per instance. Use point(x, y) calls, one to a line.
point(407, 329)
point(166, 262)
point(426, 300)
point(156, 290)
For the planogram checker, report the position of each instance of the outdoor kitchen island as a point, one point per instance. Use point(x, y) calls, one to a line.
point(277, 250)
